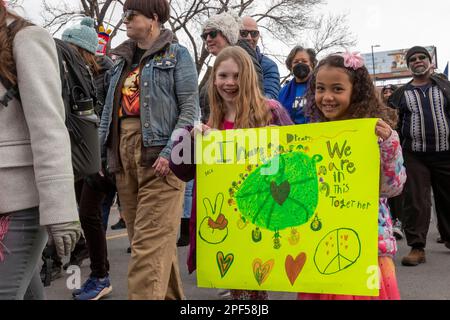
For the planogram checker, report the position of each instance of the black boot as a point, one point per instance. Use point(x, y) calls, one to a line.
point(119, 225)
point(183, 241)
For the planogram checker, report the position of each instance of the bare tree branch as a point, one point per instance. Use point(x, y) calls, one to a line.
point(283, 20)
point(332, 32)
point(15, 3)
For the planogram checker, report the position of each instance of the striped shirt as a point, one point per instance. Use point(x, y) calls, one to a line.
point(425, 117)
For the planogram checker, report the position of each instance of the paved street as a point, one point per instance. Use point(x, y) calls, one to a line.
point(430, 281)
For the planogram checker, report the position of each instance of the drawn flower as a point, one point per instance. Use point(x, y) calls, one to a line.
point(284, 200)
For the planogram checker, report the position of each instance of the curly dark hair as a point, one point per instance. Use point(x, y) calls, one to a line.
point(365, 102)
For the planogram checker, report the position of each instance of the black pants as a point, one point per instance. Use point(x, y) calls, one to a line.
point(396, 207)
point(426, 171)
point(90, 201)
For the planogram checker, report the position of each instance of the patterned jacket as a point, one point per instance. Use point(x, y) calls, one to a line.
point(393, 177)
point(424, 116)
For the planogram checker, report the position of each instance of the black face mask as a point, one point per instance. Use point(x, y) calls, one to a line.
point(302, 71)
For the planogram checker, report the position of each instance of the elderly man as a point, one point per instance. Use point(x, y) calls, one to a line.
point(249, 32)
point(423, 106)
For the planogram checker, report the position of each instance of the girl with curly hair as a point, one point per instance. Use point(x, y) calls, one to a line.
point(341, 89)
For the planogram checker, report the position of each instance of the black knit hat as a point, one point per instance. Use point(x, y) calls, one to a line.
point(415, 50)
point(149, 8)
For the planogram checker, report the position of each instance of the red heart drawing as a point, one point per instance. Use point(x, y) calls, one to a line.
point(295, 267)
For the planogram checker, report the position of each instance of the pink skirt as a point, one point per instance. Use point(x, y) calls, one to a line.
point(388, 286)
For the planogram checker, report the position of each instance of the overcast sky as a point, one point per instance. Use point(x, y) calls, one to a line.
point(398, 24)
point(392, 24)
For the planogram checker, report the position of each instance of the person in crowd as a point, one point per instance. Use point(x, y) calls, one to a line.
point(271, 76)
point(36, 177)
point(396, 203)
point(387, 91)
point(221, 31)
point(301, 62)
point(233, 92)
point(92, 190)
point(341, 89)
point(423, 107)
point(153, 91)
point(183, 240)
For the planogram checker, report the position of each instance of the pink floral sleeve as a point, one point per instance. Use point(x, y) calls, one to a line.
point(393, 173)
point(393, 177)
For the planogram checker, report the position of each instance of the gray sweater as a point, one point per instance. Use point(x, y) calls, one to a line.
point(35, 159)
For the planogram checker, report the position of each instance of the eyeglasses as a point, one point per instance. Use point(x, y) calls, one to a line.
point(213, 34)
point(421, 58)
point(253, 33)
point(129, 14)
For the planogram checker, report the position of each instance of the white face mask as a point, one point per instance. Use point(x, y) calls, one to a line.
point(422, 73)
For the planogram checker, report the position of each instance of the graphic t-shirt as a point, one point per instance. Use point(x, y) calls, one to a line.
point(300, 98)
point(130, 91)
point(293, 98)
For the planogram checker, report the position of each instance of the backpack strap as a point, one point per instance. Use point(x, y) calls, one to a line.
point(11, 92)
point(69, 87)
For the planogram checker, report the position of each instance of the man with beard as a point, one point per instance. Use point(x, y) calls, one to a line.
point(423, 106)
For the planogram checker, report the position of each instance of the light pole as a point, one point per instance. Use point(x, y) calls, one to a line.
point(373, 62)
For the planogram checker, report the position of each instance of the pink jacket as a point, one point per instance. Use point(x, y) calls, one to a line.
point(393, 177)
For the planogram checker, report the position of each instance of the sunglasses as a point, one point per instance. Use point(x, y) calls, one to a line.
point(253, 33)
point(213, 34)
point(421, 58)
point(129, 14)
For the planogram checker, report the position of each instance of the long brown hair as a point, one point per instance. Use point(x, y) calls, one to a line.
point(7, 65)
point(89, 59)
point(251, 106)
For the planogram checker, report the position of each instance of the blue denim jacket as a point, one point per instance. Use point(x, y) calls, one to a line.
point(168, 97)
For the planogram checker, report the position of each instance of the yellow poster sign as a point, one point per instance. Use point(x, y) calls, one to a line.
point(290, 209)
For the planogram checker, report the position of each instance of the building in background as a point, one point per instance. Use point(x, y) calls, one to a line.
point(390, 66)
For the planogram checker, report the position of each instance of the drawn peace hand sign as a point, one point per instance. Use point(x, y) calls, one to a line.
point(214, 228)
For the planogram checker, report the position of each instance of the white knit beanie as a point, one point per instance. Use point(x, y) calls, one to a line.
point(228, 23)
